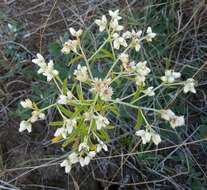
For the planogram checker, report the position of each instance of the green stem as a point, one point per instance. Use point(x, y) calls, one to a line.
point(48, 107)
point(97, 51)
point(133, 106)
point(117, 60)
point(87, 62)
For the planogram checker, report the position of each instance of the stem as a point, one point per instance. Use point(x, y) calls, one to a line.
point(97, 51)
point(87, 62)
point(173, 84)
point(92, 109)
point(143, 116)
point(114, 64)
point(145, 94)
point(112, 49)
point(133, 106)
point(46, 108)
point(57, 86)
point(60, 112)
point(58, 78)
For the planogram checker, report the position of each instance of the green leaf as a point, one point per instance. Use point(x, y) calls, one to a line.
point(103, 54)
point(56, 123)
point(137, 94)
point(69, 140)
point(139, 120)
point(110, 127)
point(74, 60)
point(79, 92)
point(112, 108)
point(67, 112)
point(55, 48)
point(107, 53)
point(64, 87)
point(102, 134)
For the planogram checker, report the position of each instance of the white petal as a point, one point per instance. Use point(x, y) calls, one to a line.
point(140, 133)
point(156, 139)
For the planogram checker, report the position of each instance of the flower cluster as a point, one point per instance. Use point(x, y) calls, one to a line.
point(148, 135)
point(81, 73)
point(35, 115)
point(83, 155)
point(45, 69)
point(66, 129)
point(72, 45)
point(102, 88)
point(169, 115)
point(133, 38)
point(85, 100)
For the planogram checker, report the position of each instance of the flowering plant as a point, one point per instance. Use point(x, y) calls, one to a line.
point(84, 109)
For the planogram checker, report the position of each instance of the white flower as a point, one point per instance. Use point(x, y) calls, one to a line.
point(106, 94)
point(101, 23)
point(67, 164)
point(102, 88)
point(73, 158)
point(75, 33)
point(142, 71)
point(40, 61)
point(27, 104)
point(115, 15)
point(127, 35)
point(70, 124)
point(136, 44)
point(83, 146)
point(147, 136)
point(62, 131)
point(101, 121)
point(101, 146)
point(36, 115)
point(50, 72)
point(140, 80)
point(156, 138)
point(81, 73)
point(169, 115)
point(141, 68)
point(170, 76)
point(66, 129)
point(135, 38)
point(86, 160)
point(149, 91)
point(114, 24)
point(69, 95)
point(189, 86)
point(136, 35)
point(25, 125)
point(150, 35)
point(177, 121)
point(118, 41)
point(129, 67)
point(124, 58)
point(63, 99)
point(88, 116)
point(46, 69)
point(70, 45)
point(133, 34)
